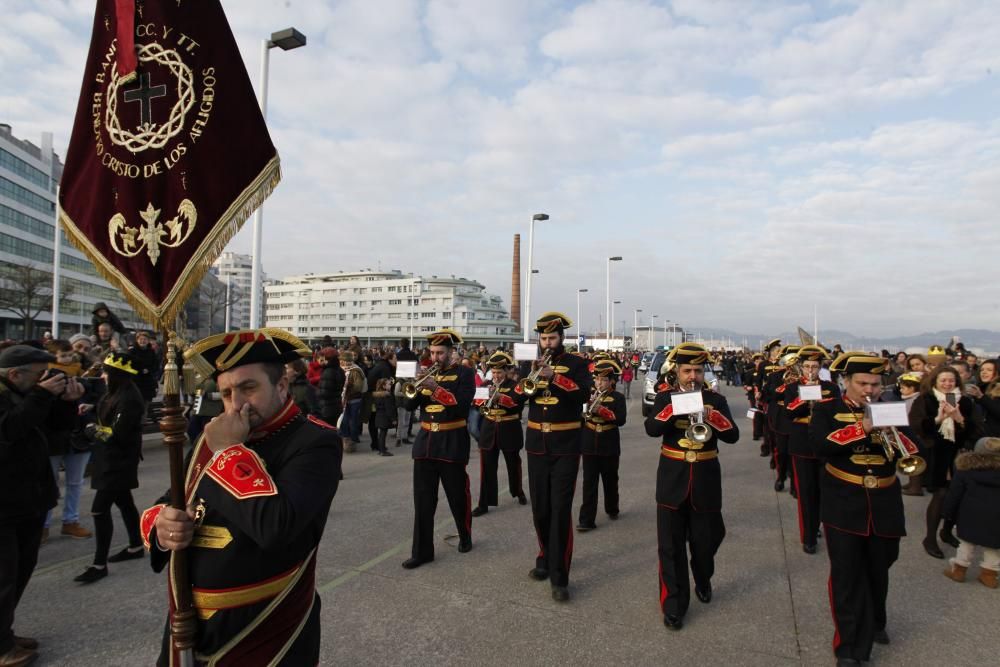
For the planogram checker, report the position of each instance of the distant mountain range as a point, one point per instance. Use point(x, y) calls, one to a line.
point(982, 341)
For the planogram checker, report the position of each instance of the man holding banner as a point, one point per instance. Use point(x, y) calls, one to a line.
point(168, 157)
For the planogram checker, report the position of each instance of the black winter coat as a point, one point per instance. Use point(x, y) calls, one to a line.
point(991, 415)
point(331, 389)
point(115, 461)
point(385, 409)
point(148, 365)
point(27, 488)
point(973, 499)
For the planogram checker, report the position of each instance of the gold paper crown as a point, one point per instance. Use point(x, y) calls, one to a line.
point(935, 350)
point(120, 363)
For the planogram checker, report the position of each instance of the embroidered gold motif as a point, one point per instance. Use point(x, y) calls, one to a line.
point(847, 417)
point(868, 459)
point(546, 400)
point(130, 241)
point(434, 408)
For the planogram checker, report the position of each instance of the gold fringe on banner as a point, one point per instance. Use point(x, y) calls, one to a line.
point(230, 222)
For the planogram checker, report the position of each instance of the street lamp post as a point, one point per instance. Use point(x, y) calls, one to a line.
point(616, 258)
point(579, 321)
point(635, 326)
point(611, 322)
point(286, 40)
point(652, 331)
point(526, 318)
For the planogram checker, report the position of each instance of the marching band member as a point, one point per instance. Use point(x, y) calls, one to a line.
point(441, 448)
point(805, 465)
point(601, 444)
point(749, 386)
point(777, 417)
point(772, 352)
point(688, 487)
point(500, 432)
point(259, 484)
point(561, 387)
point(860, 505)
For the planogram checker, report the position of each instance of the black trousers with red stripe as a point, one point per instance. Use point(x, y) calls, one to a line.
point(489, 485)
point(806, 479)
point(452, 476)
point(605, 470)
point(859, 585)
point(676, 531)
point(552, 483)
point(782, 463)
point(759, 426)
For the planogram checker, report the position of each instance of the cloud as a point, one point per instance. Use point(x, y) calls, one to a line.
point(746, 158)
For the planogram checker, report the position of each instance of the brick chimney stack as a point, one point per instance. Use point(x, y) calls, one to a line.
point(515, 282)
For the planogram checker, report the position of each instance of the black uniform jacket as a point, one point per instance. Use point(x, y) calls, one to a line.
point(115, 461)
point(27, 488)
point(502, 426)
point(859, 491)
point(264, 506)
point(799, 414)
point(773, 397)
point(558, 403)
point(601, 436)
point(445, 409)
point(678, 477)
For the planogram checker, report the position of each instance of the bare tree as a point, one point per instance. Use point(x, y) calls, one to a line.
point(215, 298)
point(26, 291)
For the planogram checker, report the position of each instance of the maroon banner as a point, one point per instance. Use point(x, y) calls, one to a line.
point(166, 160)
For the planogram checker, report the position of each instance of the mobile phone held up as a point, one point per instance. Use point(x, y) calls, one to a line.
point(952, 400)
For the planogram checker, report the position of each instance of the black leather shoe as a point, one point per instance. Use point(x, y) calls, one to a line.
point(126, 554)
point(465, 546)
point(847, 662)
point(522, 500)
point(881, 637)
point(779, 485)
point(932, 549)
point(792, 492)
point(949, 539)
point(809, 549)
point(539, 573)
point(91, 574)
point(673, 622)
point(704, 595)
point(772, 465)
point(412, 563)
point(583, 528)
point(613, 517)
point(479, 511)
point(560, 594)
point(386, 452)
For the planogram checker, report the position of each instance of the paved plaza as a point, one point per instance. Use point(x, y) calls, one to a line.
point(770, 605)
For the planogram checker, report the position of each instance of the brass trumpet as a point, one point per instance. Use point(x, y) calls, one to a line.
point(410, 389)
point(529, 385)
point(490, 403)
point(698, 431)
point(595, 403)
point(892, 444)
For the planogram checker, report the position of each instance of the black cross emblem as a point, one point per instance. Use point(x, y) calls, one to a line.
point(144, 94)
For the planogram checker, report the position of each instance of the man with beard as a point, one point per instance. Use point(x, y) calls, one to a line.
point(561, 387)
point(501, 432)
point(259, 485)
point(688, 486)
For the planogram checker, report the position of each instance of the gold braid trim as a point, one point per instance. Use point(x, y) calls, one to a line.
point(211, 247)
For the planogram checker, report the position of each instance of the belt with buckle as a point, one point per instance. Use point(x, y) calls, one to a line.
point(442, 426)
point(548, 427)
point(867, 481)
point(689, 456)
point(600, 428)
point(504, 418)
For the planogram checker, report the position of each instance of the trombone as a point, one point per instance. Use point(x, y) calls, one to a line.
point(410, 389)
point(529, 385)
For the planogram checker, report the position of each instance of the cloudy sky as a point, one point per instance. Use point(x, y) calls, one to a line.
point(747, 159)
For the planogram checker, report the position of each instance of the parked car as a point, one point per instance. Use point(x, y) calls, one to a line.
point(644, 363)
point(653, 373)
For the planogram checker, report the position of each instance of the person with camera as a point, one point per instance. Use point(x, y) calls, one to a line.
point(117, 451)
point(30, 396)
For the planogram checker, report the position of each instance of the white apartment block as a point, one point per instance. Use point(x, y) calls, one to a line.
point(235, 270)
point(384, 306)
point(28, 177)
